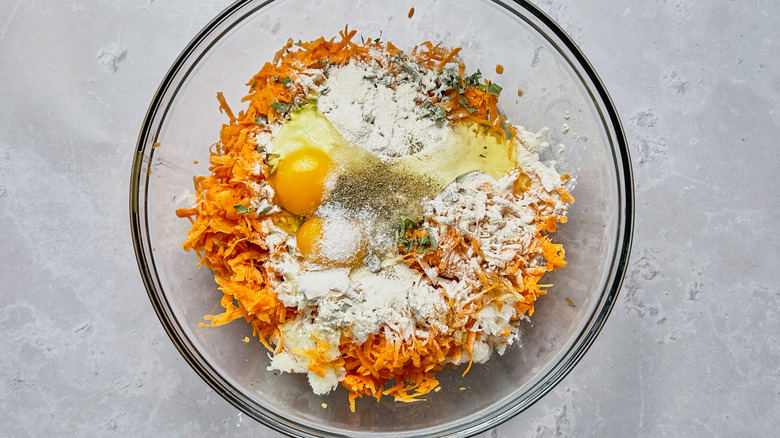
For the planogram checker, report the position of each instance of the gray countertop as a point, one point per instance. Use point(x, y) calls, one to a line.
point(691, 348)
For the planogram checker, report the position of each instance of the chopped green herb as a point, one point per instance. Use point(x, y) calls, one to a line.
point(439, 114)
point(405, 223)
point(463, 101)
point(287, 82)
point(432, 236)
point(241, 209)
point(376, 41)
point(254, 84)
point(271, 156)
point(493, 88)
point(272, 161)
point(428, 109)
point(260, 148)
point(399, 57)
point(424, 244)
point(280, 107)
point(261, 120)
point(482, 155)
point(421, 244)
point(449, 79)
point(265, 210)
point(473, 80)
point(471, 110)
point(412, 70)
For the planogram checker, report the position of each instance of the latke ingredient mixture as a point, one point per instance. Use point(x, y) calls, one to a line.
point(374, 217)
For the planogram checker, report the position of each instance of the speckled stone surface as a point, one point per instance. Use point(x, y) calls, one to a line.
point(691, 348)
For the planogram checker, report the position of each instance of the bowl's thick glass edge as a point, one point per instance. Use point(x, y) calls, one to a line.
point(142, 245)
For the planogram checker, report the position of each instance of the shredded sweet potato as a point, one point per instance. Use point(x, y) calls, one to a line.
point(231, 243)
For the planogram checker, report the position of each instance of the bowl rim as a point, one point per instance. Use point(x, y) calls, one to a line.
point(140, 172)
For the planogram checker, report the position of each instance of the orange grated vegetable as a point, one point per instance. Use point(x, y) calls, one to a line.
point(230, 243)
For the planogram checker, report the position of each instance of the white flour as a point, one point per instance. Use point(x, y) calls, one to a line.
point(380, 119)
point(364, 303)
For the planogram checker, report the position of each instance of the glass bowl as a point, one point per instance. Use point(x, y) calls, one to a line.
point(557, 88)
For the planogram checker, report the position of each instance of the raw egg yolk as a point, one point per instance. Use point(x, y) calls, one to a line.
point(309, 238)
point(333, 242)
point(299, 180)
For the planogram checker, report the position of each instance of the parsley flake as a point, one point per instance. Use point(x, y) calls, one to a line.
point(423, 244)
point(404, 224)
point(287, 82)
point(265, 210)
point(271, 156)
point(428, 109)
point(272, 161)
point(473, 80)
point(439, 114)
point(433, 239)
point(280, 107)
point(449, 79)
point(493, 88)
point(241, 209)
point(413, 70)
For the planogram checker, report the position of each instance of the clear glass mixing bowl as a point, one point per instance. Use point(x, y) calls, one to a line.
point(560, 90)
